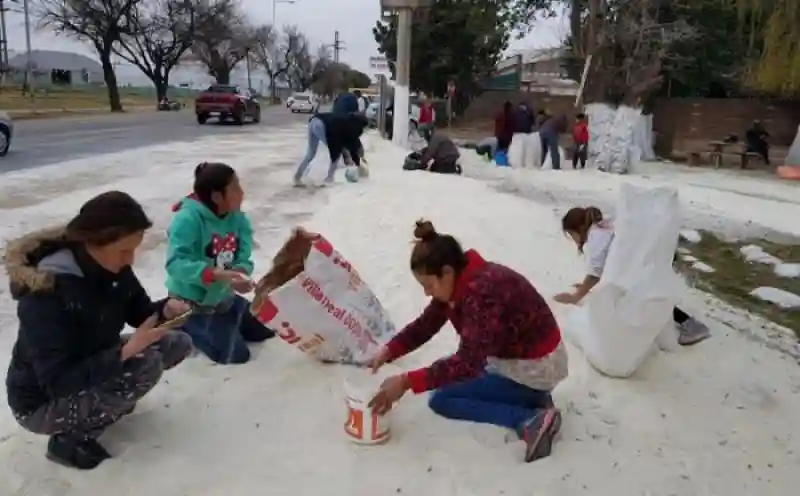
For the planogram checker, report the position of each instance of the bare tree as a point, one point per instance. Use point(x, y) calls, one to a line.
point(100, 22)
point(162, 33)
point(277, 54)
point(222, 38)
point(300, 74)
point(631, 49)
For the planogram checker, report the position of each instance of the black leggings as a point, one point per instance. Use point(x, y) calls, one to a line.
point(679, 316)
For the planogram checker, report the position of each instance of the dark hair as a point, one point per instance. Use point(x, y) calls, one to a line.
point(210, 178)
point(107, 218)
point(433, 251)
point(508, 107)
point(357, 93)
point(579, 220)
point(581, 116)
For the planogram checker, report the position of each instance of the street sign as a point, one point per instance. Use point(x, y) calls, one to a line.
point(379, 64)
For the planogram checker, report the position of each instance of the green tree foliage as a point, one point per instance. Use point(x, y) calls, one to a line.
point(459, 40)
point(778, 67)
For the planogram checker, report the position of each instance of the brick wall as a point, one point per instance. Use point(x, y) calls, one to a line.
point(693, 122)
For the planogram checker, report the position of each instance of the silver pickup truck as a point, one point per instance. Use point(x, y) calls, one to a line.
point(6, 132)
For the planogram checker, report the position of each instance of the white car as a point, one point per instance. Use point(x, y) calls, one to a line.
point(304, 103)
point(372, 115)
point(6, 132)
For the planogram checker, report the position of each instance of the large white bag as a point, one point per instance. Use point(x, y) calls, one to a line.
point(629, 312)
point(326, 310)
point(533, 151)
point(516, 151)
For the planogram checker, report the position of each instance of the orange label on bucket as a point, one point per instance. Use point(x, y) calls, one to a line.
point(354, 426)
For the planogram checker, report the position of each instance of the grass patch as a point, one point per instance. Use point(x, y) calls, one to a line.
point(734, 278)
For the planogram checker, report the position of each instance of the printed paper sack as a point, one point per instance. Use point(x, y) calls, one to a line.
point(326, 310)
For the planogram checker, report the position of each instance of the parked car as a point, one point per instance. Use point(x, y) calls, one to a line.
point(372, 115)
point(6, 132)
point(304, 102)
point(227, 101)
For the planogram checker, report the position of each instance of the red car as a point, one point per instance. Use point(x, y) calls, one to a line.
point(227, 101)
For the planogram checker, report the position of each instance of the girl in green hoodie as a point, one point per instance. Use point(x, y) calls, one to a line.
point(208, 262)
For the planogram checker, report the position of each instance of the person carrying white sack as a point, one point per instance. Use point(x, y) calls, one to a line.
point(594, 237)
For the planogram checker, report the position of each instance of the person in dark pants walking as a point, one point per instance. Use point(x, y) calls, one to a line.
point(72, 374)
point(548, 134)
point(580, 137)
point(756, 138)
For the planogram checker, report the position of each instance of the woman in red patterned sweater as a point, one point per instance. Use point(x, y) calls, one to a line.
point(510, 356)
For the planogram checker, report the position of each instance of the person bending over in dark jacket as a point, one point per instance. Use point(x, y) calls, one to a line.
point(548, 134)
point(524, 119)
point(337, 132)
point(72, 374)
point(441, 155)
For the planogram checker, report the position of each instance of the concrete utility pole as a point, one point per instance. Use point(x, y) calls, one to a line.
point(402, 91)
point(404, 9)
point(29, 61)
point(3, 43)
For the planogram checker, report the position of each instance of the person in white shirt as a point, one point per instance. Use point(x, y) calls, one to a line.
point(594, 236)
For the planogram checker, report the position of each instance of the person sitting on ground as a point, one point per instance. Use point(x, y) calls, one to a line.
point(594, 236)
point(72, 374)
point(441, 155)
point(524, 119)
point(756, 138)
point(510, 355)
point(504, 127)
point(549, 134)
point(209, 260)
point(580, 137)
point(338, 133)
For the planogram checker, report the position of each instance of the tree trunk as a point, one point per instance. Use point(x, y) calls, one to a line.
point(110, 78)
point(161, 83)
point(222, 75)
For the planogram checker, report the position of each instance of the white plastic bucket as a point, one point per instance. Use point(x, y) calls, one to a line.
point(362, 425)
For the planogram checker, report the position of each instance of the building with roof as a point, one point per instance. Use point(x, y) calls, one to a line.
point(535, 70)
point(52, 67)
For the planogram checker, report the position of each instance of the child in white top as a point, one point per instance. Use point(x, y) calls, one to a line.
point(594, 236)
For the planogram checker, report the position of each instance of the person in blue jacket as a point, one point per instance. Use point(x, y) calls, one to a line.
point(208, 262)
point(346, 103)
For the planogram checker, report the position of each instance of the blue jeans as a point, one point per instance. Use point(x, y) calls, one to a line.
point(489, 399)
point(316, 135)
point(550, 144)
point(215, 331)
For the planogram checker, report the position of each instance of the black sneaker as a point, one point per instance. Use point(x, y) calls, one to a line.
point(92, 446)
point(74, 452)
point(539, 433)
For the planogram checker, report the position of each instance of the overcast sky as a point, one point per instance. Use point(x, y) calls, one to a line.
point(319, 19)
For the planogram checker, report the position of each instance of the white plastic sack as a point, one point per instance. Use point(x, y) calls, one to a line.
point(612, 143)
point(533, 151)
point(629, 313)
point(793, 157)
point(327, 311)
point(643, 137)
point(516, 151)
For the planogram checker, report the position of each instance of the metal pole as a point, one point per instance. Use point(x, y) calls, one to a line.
point(29, 61)
point(402, 91)
point(274, 13)
point(247, 65)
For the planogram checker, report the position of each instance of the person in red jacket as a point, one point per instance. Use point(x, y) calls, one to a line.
point(510, 356)
point(426, 119)
point(580, 136)
point(504, 124)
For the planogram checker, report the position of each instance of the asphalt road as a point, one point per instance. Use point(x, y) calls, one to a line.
point(46, 141)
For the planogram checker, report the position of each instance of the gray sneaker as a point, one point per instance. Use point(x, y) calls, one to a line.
point(692, 332)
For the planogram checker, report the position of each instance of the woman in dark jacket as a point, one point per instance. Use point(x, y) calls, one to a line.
point(504, 124)
point(71, 373)
point(338, 133)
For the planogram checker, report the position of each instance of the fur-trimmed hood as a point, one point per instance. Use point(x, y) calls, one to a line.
point(33, 261)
